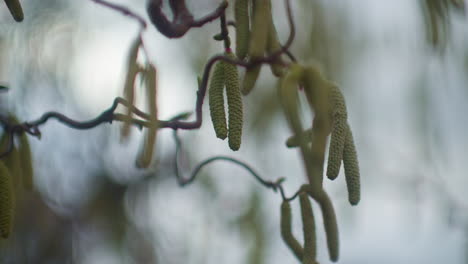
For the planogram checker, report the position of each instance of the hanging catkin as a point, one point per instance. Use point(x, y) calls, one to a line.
point(6, 201)
point(12, 159)
point(241, 15)
point(286, 231)
point(129, 87)
point(234, 99)
point(15, 9)
point(146, 155)
point(273, 45)
point(258, 42)
point(308, 226)
point(26, 162)
point(351, 167)
point(331, 226)
point(216, 100)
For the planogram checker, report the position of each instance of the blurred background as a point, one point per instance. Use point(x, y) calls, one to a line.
point(402, 65)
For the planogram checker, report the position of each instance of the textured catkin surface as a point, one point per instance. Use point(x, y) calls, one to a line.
point(241, 15)
point(337, 102)
point(216, 101)
point(308, 226)
point(12, 161)
point(337, 142)
point(286, 231)
point(234, 99)
point(351, 167)
point(6, 201)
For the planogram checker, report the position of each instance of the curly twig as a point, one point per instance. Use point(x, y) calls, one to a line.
point(125, 11)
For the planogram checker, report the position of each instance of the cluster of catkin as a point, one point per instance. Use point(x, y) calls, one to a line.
point(15, 169)
point(148, 77)
point(255, 37)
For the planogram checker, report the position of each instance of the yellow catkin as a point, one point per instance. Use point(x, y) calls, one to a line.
point(15, 9)
point(335, 153)
point(145, 157)
point(241, 15)
point(308, 226)
point(351, 167)
point(129, 87)
point(6, 201)
point(234, 99)
point(258, 41)
point(286, 231)
point(216, 100)
point(26, 162)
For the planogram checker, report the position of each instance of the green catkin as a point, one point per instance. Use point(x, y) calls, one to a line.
point(351, 167)
point(129, 88)
point(250, 78)
point(15, 9)
point(308, 226)
point(6, 201)
point(234, 100)
point(12, 160)
point(286, 232)
point(241, 15)
point(335, 153)
point(216, 100)
point(26, 162)
point(331, 226)
point(273, 45)
point(316, 88)
point(258, 42)
point(338, 114)
point(288, 86)
point(293, 141)
point(145, 157)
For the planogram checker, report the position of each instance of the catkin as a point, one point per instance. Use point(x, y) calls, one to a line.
point(15, 9)
point(258, 42)
point(308, 226)
point(12, 159)
point(6, 201)
point(216, 100)
point(293, 141)
point(335, 153)
point(273, 45)
point(129, 88)
point(331, 226)
point(250, 78)
point(286, 232)
point(337, 102)
point(241, 15)
point(26, 162)
point(234, 99)
point(145, 157)
point(351, 167)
